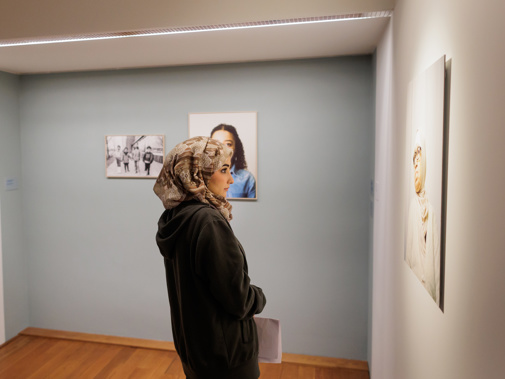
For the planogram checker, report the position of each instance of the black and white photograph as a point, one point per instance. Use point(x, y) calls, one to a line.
point(239, 131)
point(134, 156)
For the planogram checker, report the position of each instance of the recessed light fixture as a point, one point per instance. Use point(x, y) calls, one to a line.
point(193, 29)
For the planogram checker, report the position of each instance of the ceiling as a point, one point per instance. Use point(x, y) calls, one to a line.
point(35, 20)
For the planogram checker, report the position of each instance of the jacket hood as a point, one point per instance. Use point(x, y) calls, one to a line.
point(172, 222)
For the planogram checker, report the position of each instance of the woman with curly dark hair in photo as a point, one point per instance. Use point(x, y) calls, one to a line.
point(244, 185)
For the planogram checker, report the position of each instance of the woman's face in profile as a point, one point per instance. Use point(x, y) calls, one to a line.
point(221, 180)
point(417, 169)
point(225, 138)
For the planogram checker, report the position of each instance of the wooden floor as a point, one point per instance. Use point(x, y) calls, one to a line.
point(42, 357)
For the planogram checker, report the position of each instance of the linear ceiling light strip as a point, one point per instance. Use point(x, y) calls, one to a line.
point(195, 29)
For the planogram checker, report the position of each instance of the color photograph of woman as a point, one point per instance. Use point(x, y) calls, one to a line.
point(244, 183)
point(424, 235)
point(238, 132)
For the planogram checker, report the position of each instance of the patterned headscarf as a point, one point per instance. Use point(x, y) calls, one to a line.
point(187, 170)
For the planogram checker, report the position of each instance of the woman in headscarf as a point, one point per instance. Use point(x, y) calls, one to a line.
point(422, 250)
point(212, 301)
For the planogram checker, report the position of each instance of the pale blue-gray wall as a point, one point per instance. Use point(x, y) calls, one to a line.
point(15, 285)
point(93, 263)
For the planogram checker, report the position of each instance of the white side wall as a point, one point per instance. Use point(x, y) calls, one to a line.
point(381, 291)
point(15, 279)
point(412, 338)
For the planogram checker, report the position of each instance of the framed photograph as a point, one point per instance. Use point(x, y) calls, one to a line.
point(239, 130)
point(424, 162)
point(129, 156)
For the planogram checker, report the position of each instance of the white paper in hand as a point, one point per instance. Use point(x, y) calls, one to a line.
point(270, 341)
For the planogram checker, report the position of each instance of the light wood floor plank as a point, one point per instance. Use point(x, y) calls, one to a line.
point(154, 365)
point(116, 363)
point(175, 371)
point(33, 357)
point(17, 351)
point(169, 346)
point(37, 358)
point(130, 364)
point(306, 372)
point(58, 360)
point(340, 373)
point(270, 370)
point(289, 371)
point(164, 364)
point(100, 357)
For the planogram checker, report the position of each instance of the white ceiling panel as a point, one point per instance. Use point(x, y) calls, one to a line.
point(30, 19)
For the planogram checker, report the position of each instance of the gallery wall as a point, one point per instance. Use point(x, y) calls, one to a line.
point(412, 338)
point(15, 284)
point(92, 260)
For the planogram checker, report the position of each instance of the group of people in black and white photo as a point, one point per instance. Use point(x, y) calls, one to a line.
point(125, 156)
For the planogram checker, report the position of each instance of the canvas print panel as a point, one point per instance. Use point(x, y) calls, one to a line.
point(424, 170)
point(238, 130)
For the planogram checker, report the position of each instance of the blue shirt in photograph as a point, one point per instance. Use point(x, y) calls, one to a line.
point(244, 184)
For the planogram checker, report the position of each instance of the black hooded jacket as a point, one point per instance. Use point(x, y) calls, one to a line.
point(212, 301)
